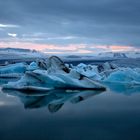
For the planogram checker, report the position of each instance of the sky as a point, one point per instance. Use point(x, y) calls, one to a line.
point(70, 26)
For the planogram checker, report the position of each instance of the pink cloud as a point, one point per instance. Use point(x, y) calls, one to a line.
point(70, 48)
point(27, 45)
point(121, 48)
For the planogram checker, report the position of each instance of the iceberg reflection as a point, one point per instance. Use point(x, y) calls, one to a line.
point(53, 99)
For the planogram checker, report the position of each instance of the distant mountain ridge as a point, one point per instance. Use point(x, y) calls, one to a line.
point(120, 54)
point(113, 54)
point(17, 50)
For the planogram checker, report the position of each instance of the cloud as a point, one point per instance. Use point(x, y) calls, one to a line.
point(8, 26)
point(65, 22)
point(12, 34)
point(67, 49)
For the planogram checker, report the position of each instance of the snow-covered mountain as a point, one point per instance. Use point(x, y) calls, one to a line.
point(113, 55)
point(13, 55)
point(119, 55)
point(102, 56)
point(133, 54)
point(16, 50)
point(22, 53)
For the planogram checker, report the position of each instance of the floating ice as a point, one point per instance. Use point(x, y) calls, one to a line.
point(109, 73)
point(124, 75)
point(96, 72)
point(45, 75)
point(18, 69)
point(12, 70)
point(90, 71)
point(56, 76)
point(32, 66)
point(41, 80)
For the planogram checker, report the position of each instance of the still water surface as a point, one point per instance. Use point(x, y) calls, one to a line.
point(64, 115)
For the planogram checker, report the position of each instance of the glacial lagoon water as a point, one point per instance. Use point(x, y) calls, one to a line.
point(71, 115)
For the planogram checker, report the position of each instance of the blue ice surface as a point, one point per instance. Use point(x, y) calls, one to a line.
point(124, 76)
point(13, 68)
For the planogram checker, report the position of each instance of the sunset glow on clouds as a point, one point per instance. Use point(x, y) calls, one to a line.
point(68, 26)
point(69, 49)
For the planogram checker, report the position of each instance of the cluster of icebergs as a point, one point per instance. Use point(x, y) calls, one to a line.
point(50, 74)
point(110, 73)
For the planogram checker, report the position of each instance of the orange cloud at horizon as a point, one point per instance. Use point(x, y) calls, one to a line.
point(121, 48)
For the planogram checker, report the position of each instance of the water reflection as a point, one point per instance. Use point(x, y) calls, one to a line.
point(53, 99)
point(125, 89)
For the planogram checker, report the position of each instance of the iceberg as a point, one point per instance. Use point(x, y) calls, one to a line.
point(108, 72)
point(18, 69)
point(88, 70)
point(117, 79)
point(53, 74)
point(124, 75)
point(12, 70)
point(98, 72)
point(43, 81)
point(32, 66)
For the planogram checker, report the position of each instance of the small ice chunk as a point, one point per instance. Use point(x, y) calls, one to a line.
point(32, 66)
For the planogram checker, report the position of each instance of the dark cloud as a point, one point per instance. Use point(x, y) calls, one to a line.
point(92, 21)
